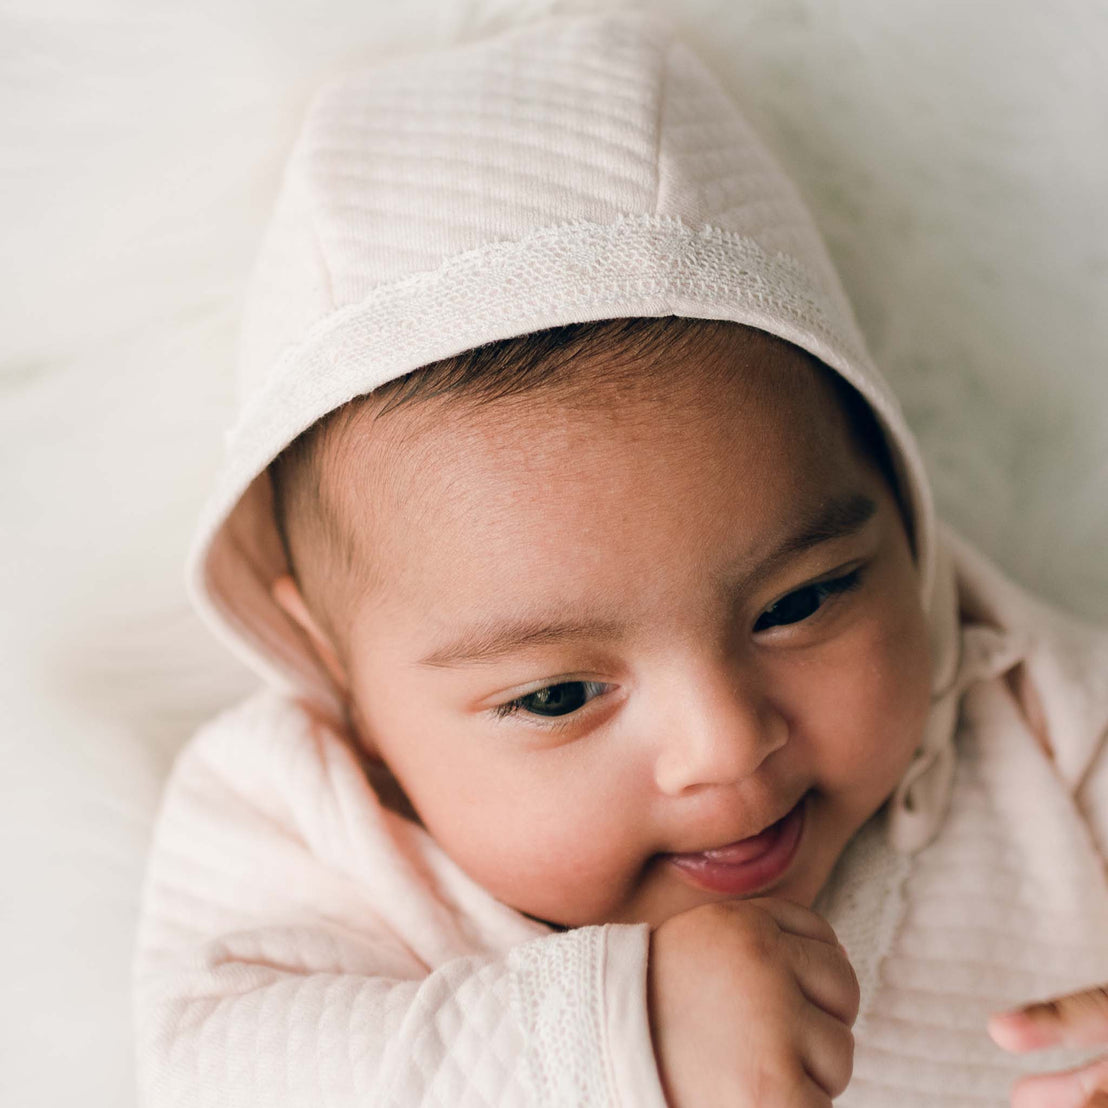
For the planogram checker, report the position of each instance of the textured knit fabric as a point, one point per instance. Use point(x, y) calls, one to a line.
point(303, 945)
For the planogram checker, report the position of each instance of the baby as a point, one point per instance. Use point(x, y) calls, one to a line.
point(635, 736)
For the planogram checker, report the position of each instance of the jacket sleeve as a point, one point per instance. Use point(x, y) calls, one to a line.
point(285, 957)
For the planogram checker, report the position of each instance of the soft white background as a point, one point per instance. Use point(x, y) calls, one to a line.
point(955, 154)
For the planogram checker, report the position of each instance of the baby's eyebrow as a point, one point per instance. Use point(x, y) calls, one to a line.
point(834, 519)
point(485, 642)
point(489, 640)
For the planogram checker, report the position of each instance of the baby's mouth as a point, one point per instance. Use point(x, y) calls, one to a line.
point(750, 864)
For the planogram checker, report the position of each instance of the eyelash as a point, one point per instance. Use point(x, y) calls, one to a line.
point(829, 589)
point(825, 590)
point(519, 704)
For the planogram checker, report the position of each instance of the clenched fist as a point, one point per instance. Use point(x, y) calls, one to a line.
point(751, 1005)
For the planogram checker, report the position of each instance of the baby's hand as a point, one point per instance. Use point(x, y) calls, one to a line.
point(1080, 1019)
point(751, 1004)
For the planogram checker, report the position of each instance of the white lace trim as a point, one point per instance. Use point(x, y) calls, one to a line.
point(556, 994)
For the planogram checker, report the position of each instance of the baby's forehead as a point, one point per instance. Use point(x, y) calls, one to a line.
point(380, 459)
point(734, 372)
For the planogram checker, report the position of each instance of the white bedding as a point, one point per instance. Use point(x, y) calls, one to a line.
point(140, 147)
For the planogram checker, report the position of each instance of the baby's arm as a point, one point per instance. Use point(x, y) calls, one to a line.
point(277, 963)
point(249, 1025)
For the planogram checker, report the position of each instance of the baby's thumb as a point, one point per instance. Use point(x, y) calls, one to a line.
point(1077, 1019)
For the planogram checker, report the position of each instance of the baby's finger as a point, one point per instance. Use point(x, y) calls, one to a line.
point(828, 1051)
point(826, 978)
point(1084, 1087)
point(1078, 1019)
point(796, 919)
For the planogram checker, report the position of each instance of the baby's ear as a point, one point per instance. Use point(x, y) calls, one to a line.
point(286, 593)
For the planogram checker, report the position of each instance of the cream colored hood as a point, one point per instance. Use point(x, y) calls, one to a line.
point(572, 170)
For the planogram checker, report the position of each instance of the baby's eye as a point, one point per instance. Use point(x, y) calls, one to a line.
point(802, 603)
point(554, 700)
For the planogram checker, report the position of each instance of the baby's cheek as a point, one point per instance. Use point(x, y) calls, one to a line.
point(909, 680)
point(544, 846)
point(900, 697)
point(879, 704)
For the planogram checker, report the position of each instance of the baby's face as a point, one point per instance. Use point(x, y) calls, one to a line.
point(623, 632)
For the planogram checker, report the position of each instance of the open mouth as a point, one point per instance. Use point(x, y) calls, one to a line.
point(749, 864)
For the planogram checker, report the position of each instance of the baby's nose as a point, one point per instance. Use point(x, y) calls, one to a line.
point(718, 728)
